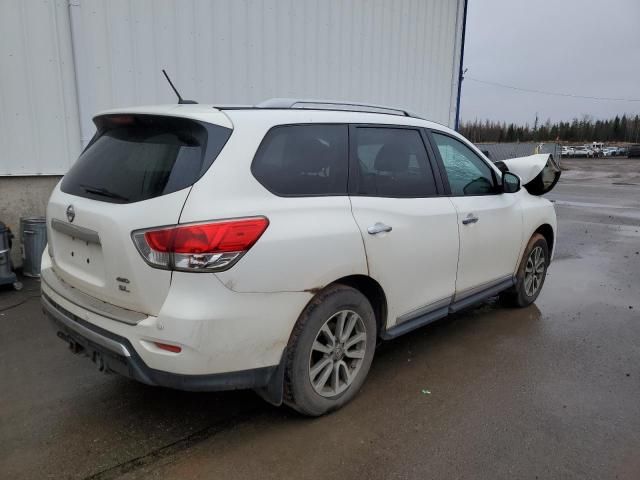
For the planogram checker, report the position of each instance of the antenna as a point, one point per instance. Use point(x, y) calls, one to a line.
point(181, 101)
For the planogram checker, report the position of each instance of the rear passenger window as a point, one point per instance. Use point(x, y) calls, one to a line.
point(393, 163)
point(303, 160)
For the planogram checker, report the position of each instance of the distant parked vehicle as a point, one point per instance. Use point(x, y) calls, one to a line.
point(597, 147)
point(610, 151)
point(582, 151)
point(567, 152)
point(633, 151)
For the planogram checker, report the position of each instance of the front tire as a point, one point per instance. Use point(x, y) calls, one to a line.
point(531, 274)
point(330, 351)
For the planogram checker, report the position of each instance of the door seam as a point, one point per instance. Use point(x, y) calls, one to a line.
point(455, 285)
point(364, 247)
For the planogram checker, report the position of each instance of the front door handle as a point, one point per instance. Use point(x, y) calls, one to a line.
point(471, 218)
point(378, 227)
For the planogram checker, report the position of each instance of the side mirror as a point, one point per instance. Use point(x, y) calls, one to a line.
point(510, 182)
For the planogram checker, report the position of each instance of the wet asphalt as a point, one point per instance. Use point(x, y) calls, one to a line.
point(549, 391)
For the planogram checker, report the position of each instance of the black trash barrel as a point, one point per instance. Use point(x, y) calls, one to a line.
point(6, 274)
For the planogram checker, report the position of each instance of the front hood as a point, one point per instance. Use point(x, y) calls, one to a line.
point(538, 173)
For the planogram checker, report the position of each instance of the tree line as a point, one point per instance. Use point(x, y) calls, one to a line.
point(618, 129)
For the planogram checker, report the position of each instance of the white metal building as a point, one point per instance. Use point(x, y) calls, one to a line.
point(63, 60)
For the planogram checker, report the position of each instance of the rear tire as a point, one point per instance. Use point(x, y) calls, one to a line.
point(531, 274)
point(330, 351)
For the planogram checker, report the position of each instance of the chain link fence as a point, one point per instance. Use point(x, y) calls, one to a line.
point(504, 151)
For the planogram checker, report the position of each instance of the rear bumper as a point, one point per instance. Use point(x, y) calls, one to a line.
point(113, 353)
point(219, 331)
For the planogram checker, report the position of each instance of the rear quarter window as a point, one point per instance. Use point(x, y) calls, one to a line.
point(303, 160)
point(137, 157)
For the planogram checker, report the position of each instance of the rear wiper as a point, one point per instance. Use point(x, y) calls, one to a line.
point(104, 192)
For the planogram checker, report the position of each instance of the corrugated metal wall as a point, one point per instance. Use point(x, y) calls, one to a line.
point(39, 126)
point(395, 52)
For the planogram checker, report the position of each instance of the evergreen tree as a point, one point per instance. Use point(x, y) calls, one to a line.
point(618, 129)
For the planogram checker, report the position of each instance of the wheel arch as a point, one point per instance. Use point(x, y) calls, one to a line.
point(367, 286)
point(278, 390)
point(547, 232)
point(373, 291)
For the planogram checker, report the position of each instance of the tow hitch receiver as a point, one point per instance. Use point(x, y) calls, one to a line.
point(98, 361)
point(75, 347)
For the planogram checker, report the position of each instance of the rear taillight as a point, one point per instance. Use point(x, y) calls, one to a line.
point(199, 247)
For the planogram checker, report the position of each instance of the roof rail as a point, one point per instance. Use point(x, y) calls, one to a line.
point(287, 103)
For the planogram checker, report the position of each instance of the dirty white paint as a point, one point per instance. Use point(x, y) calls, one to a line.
point(63, 60)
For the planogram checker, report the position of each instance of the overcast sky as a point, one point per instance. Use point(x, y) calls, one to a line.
point(580, 47)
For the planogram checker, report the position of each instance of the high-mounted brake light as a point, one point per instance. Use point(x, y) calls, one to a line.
point(202, 247)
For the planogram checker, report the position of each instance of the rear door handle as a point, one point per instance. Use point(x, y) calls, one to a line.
point(378, 227)
point(471, 218)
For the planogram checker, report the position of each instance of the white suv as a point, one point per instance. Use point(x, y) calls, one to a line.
point(271, 247)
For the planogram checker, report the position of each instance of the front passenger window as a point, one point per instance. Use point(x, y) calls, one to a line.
point(468, 174)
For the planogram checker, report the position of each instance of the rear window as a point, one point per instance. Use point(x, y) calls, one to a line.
point(135, 158)
point(303, 160)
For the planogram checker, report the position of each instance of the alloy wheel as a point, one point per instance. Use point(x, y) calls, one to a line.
point(337, 353)
point(534, 271)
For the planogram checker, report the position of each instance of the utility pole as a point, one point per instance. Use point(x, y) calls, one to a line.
point(462, 70)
